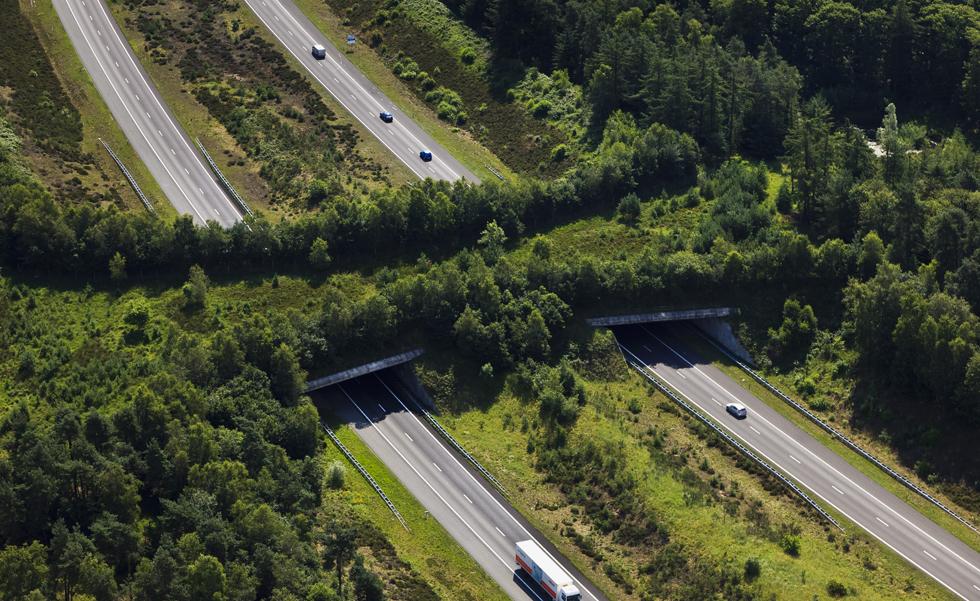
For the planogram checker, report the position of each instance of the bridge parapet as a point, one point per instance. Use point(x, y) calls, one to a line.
point(680, 315)
point(361, 370)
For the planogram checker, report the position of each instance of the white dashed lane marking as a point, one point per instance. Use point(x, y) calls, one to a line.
point(796, 460)
point(437, 466)
point(467, 498)
point(839, 491)
point(930, 555)
point(500, 531)
point(883, 522)
point(410, 439)
point(754, 430)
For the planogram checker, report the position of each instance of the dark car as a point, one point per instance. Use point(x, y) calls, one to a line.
point(425, 155)
point(319, 52)
point(387, 117)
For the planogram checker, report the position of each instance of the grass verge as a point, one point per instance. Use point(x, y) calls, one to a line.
point(428, 548)
point(719, 360)
point(695, 487)
point(468, 151)
point(97, 120)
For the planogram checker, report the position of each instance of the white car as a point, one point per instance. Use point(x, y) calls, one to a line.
point(737, 410)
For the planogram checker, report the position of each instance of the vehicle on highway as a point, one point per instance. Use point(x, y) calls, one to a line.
point(319, 52)
point(425, 155)
point(386, 117)
point(738, 410)
point(543, 570)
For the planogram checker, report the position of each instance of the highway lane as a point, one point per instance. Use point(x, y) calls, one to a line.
point(917, 539)
point(136, 105)
point(480, 520)
point(362, 99)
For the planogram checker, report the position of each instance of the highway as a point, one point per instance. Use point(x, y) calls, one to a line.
point(480, 519)
point(917, 539)
point(362, 99)
point(136, 105)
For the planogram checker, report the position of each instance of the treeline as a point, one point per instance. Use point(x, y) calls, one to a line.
point(145, 461)
point(39, 234)
point(923, 54)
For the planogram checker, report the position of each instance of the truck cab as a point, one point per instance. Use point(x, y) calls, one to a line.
point(569, 595)
point(545, 571)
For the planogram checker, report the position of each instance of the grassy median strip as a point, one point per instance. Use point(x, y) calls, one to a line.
point(428, 548)
point(923, 506)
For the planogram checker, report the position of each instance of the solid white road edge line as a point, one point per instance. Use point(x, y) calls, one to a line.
point(480, 485)
point(197, 159)
point(818, 458)
point(360, 87)
point(432, 488)
point(331, 92)
point(131, 116)
point(825, 499)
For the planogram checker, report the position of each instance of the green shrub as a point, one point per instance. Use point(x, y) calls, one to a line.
point(753, 569)
point(426, 82)
point(541, 109)
point(559, 152)
point(790, 544)
point(692, 199)
point(629, 208)
point(336, 475)
point(836, 589)
point(467, 56)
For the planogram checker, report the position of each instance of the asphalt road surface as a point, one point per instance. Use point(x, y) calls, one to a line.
point(480, 520)
point(362, 99)
point(920, 541)
point(135, 103)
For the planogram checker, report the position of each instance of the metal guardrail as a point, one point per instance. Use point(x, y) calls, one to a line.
point(364, 472)
point(839, 435)
point(494, 171)
point(224, 181)
point(449, 437)
point(129, 177)
point(665, 388)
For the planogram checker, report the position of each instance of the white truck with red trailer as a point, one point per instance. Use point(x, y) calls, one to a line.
point(542, 569)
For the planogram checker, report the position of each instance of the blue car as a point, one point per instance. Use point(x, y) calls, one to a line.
point(425, 155)
point(387, 117)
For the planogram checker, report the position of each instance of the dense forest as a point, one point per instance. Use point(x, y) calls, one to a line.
point(829, 145)
point(923, 55)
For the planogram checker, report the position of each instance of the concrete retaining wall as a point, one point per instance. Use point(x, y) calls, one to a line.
point(721, 332)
